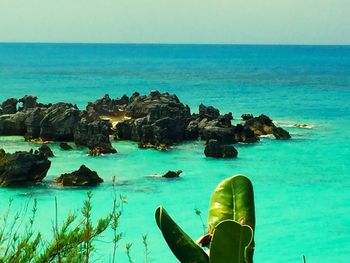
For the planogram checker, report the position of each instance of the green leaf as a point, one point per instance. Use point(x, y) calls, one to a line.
point(229, 242)
point(183, 247)
point(233, 199)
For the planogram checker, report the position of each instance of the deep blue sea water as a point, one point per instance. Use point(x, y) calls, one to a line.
point(302, 186)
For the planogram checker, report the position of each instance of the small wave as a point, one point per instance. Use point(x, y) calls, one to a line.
point(269, 136)
point(294, 125)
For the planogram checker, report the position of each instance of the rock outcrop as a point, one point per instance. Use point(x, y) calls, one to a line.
point(46, 151)
point(172, 174)
point(22, 168)
point(82, 177)
point(94, 135)
point(13, 124)
point(217, 150)
point(208, 112)
point(28, 102)
point(244, 134)
point(9, 106)
point(263, 125)
point(247, 116)
point(107, 106)
point(33, 123)
point(156, 119)
point(59, 123)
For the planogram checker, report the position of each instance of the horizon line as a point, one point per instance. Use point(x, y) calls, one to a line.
point(169, 43)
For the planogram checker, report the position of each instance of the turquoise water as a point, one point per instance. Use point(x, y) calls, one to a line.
point(301, 186)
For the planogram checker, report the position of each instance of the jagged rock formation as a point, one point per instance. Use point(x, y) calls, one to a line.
point(46, 151)
point(157, 120)
point(82, 177)
point(57, 122)
point(94, 135)
point(22, 168)
point(263, 125)
point(216, 149)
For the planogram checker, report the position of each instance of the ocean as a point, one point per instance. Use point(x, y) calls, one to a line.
point(302, 186)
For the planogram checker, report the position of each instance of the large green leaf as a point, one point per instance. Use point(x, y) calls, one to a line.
point(183, 247)
point(229, 242)
point(233, 199)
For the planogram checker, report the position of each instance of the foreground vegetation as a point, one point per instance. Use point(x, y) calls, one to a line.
point(72, 241)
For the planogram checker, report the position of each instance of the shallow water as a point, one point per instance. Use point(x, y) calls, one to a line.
point(301, 186)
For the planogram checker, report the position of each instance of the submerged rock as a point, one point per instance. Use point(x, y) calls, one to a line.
point(172, 174)
point(65, 146)
point(22, 168)
point(46, 151)
point(82, 177)
point(217, 150)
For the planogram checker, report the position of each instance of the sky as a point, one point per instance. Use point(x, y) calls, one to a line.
point(176, 21)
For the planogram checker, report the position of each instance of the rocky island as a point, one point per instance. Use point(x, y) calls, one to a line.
point(158, 120)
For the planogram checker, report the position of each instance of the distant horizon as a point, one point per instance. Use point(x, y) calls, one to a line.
point(225, 22)
point(170, 43)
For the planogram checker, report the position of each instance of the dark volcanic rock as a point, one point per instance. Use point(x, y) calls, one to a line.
point(244, 134)
point(247, 116)
point(21, 168)
point(172, 174)
point(209, 124)
point(225, 120)
point(46, 150)
point(107, 106)
point(222, 135)
point(33, 122)
point(263, 125)
point(13, 124)
point(208, 112)
point(156, 119)
point(94, 135)
point(124, 129)
point(281, 134)
point(192, 130)
point(29, 102)
point(9, 106)
point(217, 150)
point(82, 177)
point(65, 146)
point(59, 123)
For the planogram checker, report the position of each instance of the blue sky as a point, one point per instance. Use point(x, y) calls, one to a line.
point(176, 21)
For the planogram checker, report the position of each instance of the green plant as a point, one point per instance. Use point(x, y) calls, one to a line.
point(73, 241)
point(229, 242)
point(231, 224)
